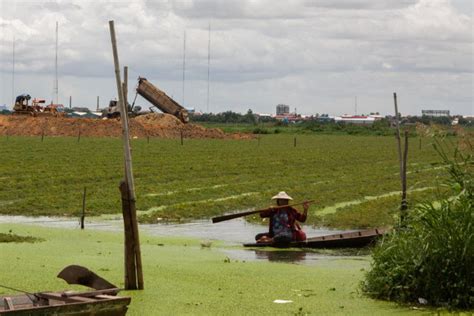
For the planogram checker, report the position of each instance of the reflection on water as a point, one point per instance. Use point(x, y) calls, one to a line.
point(281, 256)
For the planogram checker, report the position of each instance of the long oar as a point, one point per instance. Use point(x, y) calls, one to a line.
point(236, 215)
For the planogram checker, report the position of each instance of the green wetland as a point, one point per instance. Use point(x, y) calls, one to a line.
point(354, 179)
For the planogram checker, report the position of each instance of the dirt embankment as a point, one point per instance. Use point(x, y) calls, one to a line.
point(153, 125)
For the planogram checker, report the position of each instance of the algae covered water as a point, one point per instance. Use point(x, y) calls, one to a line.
point(232, 233)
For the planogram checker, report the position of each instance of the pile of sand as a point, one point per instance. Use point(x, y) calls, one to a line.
point(153, 125)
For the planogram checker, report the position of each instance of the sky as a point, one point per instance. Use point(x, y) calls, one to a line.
point(318, 56)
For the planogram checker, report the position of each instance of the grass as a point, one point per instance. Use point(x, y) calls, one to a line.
point(181, 278)
point(207, 177)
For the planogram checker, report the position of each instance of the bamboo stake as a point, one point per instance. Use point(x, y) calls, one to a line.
point(83, 216)
point(404, 205)
point(128, 161)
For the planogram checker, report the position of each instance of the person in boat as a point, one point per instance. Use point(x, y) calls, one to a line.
point(283, 226)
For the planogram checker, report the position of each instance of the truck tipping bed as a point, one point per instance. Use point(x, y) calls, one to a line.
point(162, 101)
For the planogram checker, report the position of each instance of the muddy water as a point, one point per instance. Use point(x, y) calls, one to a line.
point(233, 233)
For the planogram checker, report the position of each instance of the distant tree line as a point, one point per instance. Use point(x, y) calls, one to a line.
point(231, 117)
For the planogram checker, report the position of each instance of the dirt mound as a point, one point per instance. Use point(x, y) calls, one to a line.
point(153, 125)
point(161, 120)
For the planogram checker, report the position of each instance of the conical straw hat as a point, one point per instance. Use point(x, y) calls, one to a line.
point(282, 196)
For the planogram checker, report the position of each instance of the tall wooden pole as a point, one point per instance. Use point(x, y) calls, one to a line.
point(400, 159)
point(97, 103)
point(128, 164)
point(404, 205)
point(125, 87)
point(398, 136)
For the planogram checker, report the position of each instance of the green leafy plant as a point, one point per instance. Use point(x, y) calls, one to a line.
point(431, 260)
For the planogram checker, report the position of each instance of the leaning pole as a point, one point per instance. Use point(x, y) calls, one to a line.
point(133, 261)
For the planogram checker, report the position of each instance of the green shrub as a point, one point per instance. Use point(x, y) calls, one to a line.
point(432, 258)
point(260, 130)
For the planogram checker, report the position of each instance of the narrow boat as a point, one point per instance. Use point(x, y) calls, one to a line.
point(99, 303)
point(355, 239)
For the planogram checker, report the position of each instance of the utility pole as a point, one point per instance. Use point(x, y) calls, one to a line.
point(184, 64)
point(208, 65)
point(133, 261)
point(356, 105)
point(13, 71)
point(56, 86)
point(97, 103)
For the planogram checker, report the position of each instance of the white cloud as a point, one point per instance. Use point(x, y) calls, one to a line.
point(316, 55)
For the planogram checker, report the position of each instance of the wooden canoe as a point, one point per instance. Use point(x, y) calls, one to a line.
point(99, 303)
point(355, 239)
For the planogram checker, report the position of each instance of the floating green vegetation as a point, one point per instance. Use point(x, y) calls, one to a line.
point(182, 278)
point(205, 177)
point(10, 237)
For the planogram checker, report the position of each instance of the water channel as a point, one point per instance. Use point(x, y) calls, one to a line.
point(233, 233)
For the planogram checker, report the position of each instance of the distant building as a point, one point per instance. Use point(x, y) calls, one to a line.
point(435, 113)
point(357, 119)
point(81, 109)
point(282, 109)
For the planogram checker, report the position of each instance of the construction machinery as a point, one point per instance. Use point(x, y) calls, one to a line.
point(155, 96)
point(160, 100)
point(113, 111)
point(36, 108)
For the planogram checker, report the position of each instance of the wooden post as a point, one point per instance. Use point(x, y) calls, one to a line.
point(83, 216)
point(129, 246)
point(400, 159)
point(404, 205)
point(294, 142)
point(182, 143)
point(419, 146)
point(97, 103)
point(132, 239)
point(70, 102)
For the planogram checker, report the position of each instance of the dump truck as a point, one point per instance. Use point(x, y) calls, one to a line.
point(160, 100)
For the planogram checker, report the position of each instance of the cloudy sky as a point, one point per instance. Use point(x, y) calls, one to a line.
point(315, 55)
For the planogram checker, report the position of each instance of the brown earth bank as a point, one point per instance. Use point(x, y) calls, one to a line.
point(152, 125)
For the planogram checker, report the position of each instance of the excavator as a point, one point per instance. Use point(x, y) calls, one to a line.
point(156, 97)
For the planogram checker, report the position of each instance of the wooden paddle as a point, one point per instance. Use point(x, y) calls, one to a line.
point(236, 215)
